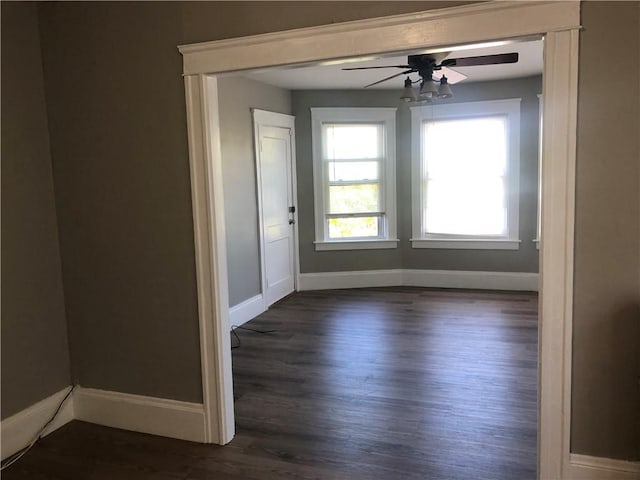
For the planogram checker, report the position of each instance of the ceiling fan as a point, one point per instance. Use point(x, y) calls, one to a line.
point(436, 67)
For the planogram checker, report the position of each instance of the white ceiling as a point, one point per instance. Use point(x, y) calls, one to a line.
point(333, 77)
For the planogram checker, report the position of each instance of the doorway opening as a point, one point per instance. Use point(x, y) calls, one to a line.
point(558, 23)
point(318, 335)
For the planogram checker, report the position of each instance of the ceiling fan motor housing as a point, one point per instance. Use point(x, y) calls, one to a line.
point(424, 65)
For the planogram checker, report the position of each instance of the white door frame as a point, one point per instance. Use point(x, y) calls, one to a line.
point(559, 22)
point(273, 119)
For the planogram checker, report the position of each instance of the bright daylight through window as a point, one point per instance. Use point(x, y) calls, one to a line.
point(354, 175)
point(466, 193)
point(465, 182)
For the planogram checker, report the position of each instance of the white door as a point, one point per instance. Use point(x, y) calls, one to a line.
point(274, 145)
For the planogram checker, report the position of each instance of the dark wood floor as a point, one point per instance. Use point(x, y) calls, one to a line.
point(392, 383)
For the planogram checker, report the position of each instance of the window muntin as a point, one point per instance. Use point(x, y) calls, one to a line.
point(353, 171)
point(355, 168)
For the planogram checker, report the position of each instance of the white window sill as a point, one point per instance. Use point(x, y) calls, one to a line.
point(466, 244)
point(356, 245)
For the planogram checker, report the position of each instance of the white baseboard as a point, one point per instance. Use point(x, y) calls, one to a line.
point(470, 279)
point(20, 429)
point(157, 416)
point(420, 278)
point(249, 309)
point(354, 279)
point(185, 421)
point(584, 467)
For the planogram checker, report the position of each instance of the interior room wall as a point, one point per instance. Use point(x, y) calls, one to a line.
point(206, 21)
point(118, 130)
point(606, 340)
point(35, 355)
point(117, 118)
point(237, 96)
point(523, 260)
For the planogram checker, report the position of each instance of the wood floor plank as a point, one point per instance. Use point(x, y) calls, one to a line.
point(365, 384)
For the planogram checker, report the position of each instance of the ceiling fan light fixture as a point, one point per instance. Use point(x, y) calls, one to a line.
point(444, 90)
point(428, 90)
point(408, 95)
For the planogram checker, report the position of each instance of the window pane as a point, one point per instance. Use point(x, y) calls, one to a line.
point(465, 164)
point(470, 147)
point(351, 171)
point(354, 198)
point(354, 227)
point(466, 206)
point(352, 141)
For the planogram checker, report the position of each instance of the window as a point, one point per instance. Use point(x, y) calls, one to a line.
point(465, 175)
point(354, 177)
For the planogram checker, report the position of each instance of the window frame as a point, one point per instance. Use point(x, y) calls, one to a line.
point(386, 116)
point(509, 108)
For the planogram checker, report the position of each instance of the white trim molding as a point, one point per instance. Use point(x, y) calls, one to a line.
point(185, 420)
point(263, 120)
point(356, 279)
point(558, 22)
point(139, 413)
point(560, 103)
point(273, 119)
point(465, 244)
point(357, 244)
point(585, 467)
point(420, 278)
point(462, 25)
point(521, 281)
point(384, 120)
point(508, 113)
point(249, 309)
point(20, 429)
point(205, 161)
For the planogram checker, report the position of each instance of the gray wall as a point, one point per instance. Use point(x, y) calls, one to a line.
point(523, 260)
point(115, 99)
point(118, 129)
point(117, 120)
point(606, 341)
point(237, 97)
point(35, 358)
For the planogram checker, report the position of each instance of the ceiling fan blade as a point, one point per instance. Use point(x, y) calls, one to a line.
point(385, 66)
point(453, 76)
point(389, 78)
point(481, 60)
